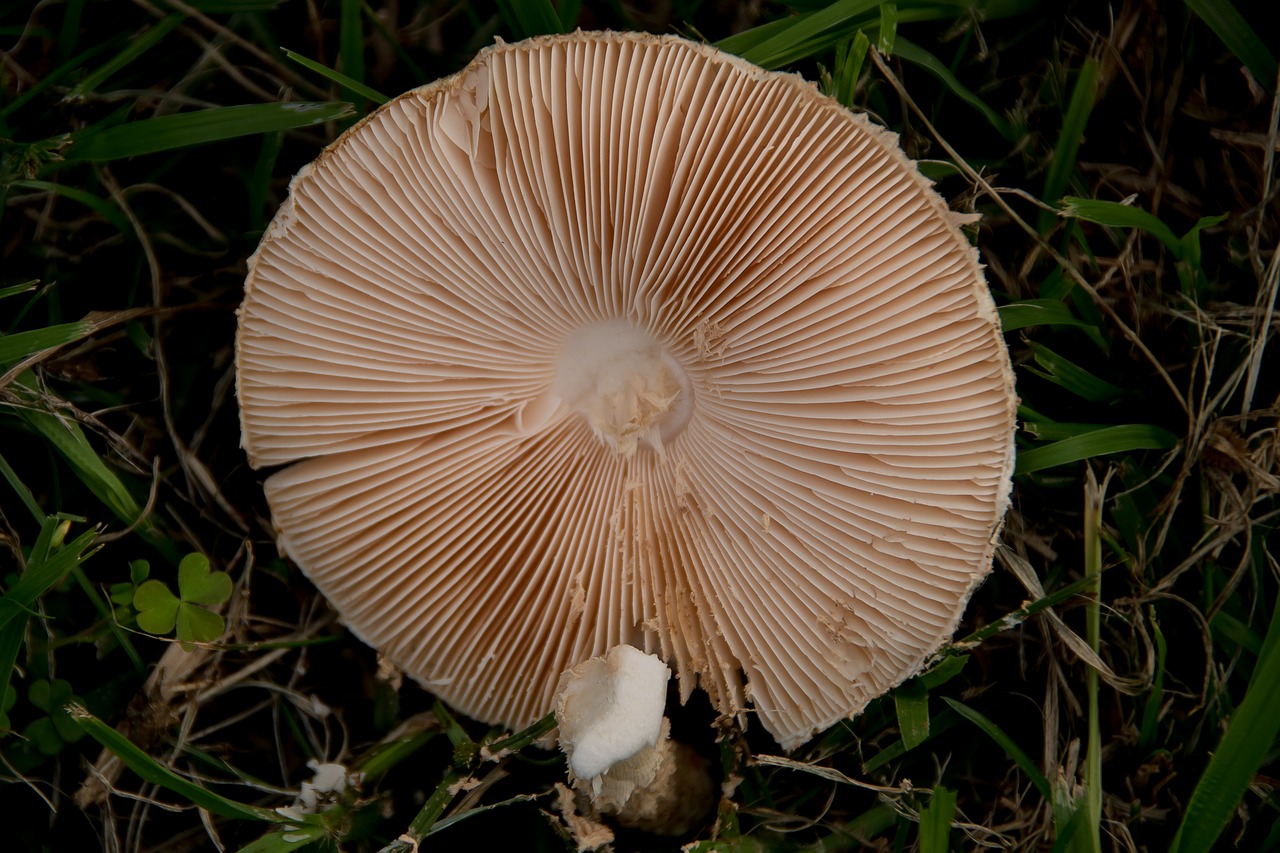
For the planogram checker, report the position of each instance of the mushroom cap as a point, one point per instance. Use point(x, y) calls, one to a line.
point(616, 338)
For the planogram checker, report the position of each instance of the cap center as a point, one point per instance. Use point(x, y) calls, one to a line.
point(623, 382)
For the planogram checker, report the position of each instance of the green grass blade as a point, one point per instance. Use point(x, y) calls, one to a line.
point(15, 289)
point(354, 86)
point(232, 7)
point(42, 574)
point(888, 28)
point(739, 43)
point(1116, 215)
point(1069, 139)
point(935, 821)
point(1056, 431)
point(14, 348)
point(285, 840)
point(524, 737)
point(52, 78)
point(938, 725)
point(11, 637)
point(1037, 312)
point(390, 753)
point(65, 435)
point(1228, 628)
point(1016, 617)
point(157, 774)
point(24, 494)
point(259, 185)
point(787, 40)
point(434, 807)
point(100, 206)
point(198, 128)
point(1190, 255)
point(917, 55)
point(390, 38)
point(568, 14)
point(1067, 374)
point(946, 669)
point(1099, 442)
point(13, 631)
point(1225, 20)
point(850, 57)
point(1006, 743)
point(1249, 739)
point(444, 823)
point(911, 701)
point(530, 17)
point(1151, 710)
point(1093, 498)
point(132, 50)
point(1067, 817)
point(351, 41)
point(805, 35)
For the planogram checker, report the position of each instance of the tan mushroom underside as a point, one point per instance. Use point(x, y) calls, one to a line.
point(798, 540)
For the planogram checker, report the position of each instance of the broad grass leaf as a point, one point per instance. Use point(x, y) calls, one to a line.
point(351, 40)
point(353, 86)
point(917, 55)
point(66, 436)
point(1225, 20)
point(911, 701)
point(152, 771)
point(42, 574)
point(134, 48)
point(1250, 736)
point(1098, 442)
point(1036, 312)
point(531, 17)
point(14, 348)
point(947, 669)
point(806, 35)
point(935, 821)
point(200, 127)
point(285, 840)
point(1069, 138)
point(1006, 743)
point(1116, 215)
point(1067, 374)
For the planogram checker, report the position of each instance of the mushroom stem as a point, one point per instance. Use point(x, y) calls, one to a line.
point(621, 756)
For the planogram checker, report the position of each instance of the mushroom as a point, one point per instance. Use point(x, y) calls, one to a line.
point(617, 339)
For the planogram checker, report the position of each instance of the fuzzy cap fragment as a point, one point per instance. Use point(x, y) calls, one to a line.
point(610, 708)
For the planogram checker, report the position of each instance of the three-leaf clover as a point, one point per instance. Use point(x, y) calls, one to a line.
point(53, 732)
point(122, 593)
point(160, 611)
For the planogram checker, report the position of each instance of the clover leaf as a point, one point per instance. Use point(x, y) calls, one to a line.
point(157, 607)
point(160, 611)
point(198, 585)
point(51, 733)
